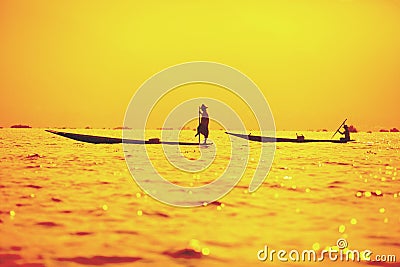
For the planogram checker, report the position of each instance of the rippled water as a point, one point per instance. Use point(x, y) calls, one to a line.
point(66, 203)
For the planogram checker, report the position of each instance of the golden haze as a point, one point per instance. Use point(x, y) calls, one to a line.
point(75, 64)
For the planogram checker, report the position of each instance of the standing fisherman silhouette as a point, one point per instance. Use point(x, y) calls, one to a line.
point(346, 133)
point(203, 123)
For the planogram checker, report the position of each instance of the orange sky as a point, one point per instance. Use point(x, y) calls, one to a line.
point(78, 63)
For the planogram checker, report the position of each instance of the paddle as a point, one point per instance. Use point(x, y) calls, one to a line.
point(199, 125)
point(339, 128)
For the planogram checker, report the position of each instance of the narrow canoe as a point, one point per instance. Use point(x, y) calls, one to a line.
point(93, 139)
point(263, 139)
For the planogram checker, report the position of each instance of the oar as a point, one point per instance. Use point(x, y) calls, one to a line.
point(199, 125)
point(339, 128)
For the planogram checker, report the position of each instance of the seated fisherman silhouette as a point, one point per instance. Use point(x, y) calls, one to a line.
point(346, 133)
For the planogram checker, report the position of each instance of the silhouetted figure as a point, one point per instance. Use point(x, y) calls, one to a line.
point(203, 126)
point(346, 133)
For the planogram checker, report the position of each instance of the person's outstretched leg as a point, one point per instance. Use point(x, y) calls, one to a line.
point(205, 136)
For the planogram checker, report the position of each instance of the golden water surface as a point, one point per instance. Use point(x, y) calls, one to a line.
point(67, 203)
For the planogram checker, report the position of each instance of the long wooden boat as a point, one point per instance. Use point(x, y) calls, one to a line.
point(94, 139)
point(299, 139)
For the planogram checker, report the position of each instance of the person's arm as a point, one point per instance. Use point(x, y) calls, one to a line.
point(340, 132)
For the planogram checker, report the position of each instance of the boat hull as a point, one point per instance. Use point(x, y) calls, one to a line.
point(93, 139)
point(263, 139)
